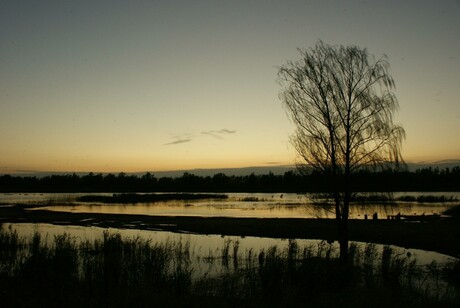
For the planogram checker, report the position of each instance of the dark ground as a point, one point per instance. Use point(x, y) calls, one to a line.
point(441, 235)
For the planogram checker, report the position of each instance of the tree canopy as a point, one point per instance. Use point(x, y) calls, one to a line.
point(341, 101)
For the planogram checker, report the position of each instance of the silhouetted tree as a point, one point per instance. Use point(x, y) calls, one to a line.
point(340, 100)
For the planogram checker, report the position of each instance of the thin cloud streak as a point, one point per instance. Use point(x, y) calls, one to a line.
point(10, 170)
point(178, 141)
point(227, 131)
point(218, 134)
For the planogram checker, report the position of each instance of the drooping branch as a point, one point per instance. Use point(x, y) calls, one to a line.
point(340, 99)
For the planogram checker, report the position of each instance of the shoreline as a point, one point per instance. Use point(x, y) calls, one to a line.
point(442, 236)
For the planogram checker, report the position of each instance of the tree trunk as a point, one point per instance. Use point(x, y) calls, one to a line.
point(343, 239)
point(346, 206)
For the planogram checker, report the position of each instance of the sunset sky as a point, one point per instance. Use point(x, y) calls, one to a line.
point(111, 86)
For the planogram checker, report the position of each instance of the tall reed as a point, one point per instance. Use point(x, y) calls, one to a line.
point(121, 271)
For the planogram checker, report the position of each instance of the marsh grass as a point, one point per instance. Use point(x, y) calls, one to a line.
point(453, 211)
point(120, 271)
point(253, 199)
point(428, 199)
point(388, 199)
point(143, 198)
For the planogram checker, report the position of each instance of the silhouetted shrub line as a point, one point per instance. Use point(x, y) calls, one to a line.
point(453, 211)
point(120, 272)
point(143, 198)
point(386, 198)
point(387, 180)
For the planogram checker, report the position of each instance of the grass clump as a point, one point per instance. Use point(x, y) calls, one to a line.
point(428, 199)
point(453, 211)
point(144, 198)
point(388, 198)
point(250, 199)
point(118, 271)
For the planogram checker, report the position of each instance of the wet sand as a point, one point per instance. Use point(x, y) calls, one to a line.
point(442, 235)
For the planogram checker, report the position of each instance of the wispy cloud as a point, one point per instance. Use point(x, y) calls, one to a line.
point(227, 131)
point(179, 141)
point(180, 138)
point(219, 134)
point(14, 170)
point(184, 138)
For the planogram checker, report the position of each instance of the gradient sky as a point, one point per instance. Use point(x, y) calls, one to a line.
point(159, 85)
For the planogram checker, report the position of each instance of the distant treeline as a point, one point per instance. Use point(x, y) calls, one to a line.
point(428, 179)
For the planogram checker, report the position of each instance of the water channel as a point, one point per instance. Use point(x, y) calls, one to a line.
point(258, 205)
point(236, 205)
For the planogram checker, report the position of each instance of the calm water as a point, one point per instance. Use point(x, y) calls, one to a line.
point(237, 205)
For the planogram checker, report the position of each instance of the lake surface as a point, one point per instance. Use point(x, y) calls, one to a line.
point(237, 205)
point(258, 205)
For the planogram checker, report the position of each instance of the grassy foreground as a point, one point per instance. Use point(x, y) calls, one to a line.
point(119, 272)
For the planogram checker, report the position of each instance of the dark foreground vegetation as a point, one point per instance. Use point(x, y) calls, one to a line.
point(453, 211)
point(119, 272)
point(388, 180)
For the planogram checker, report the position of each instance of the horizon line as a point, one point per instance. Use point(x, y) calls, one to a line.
point(190, 170)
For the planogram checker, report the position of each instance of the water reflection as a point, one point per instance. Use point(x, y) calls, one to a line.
point(237, 205)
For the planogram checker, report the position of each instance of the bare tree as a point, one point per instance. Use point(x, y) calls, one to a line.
point(341, 102)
